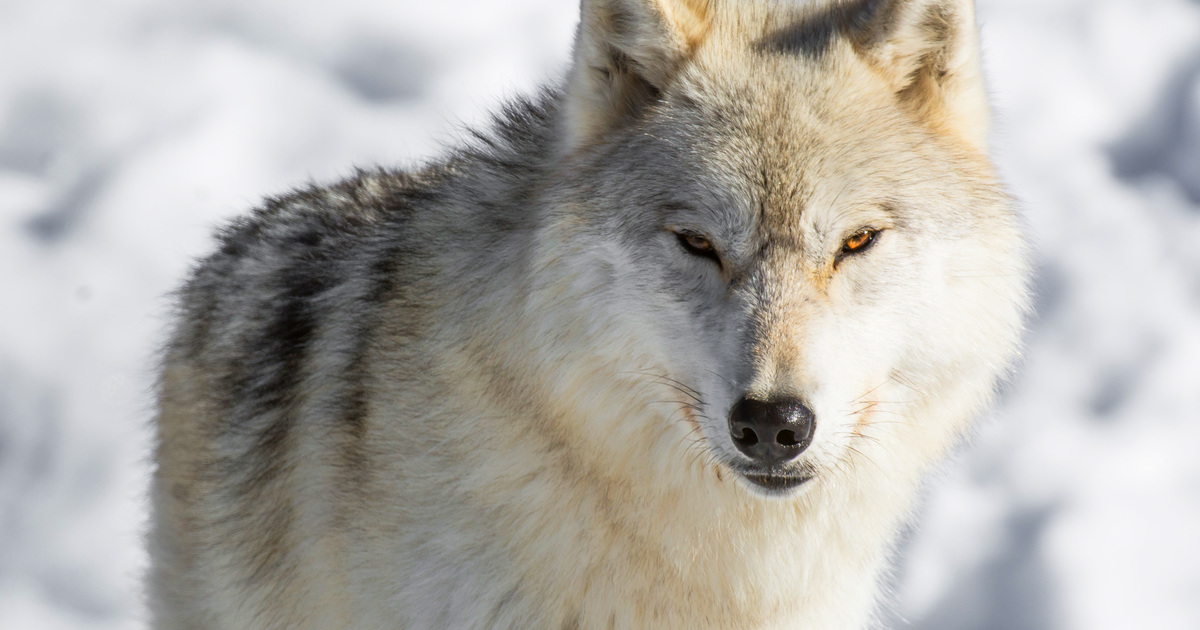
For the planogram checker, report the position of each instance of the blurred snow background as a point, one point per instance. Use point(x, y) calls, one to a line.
point(130, 128)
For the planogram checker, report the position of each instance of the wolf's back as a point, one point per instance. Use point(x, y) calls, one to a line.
point(267, 380)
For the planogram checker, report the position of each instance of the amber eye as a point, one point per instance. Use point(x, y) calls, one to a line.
point(860, 242)
point(698, 245)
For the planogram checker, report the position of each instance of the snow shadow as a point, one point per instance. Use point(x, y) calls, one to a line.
point(1165, 143)
point(1014, 590)
point(380, 71)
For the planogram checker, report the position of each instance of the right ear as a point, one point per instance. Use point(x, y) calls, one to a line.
point(626, 51)
point(929, 51)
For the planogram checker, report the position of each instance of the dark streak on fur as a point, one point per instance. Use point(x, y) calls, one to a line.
point(862, 22)
point(264, 382)
point(382, 275)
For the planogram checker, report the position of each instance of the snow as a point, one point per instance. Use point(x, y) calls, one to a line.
point(130, 128)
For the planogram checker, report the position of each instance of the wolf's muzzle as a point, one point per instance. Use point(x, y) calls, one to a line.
point(771, 432)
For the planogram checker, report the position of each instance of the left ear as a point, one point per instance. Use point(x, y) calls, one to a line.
point(929, 51)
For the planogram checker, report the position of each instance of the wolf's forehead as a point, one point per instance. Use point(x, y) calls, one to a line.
point(796, 124)
point(790, 143)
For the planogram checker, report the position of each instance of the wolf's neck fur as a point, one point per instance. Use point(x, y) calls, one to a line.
point(669, 541)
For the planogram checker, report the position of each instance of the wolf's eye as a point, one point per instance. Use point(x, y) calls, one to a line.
point(698, 245)
point(860, 242)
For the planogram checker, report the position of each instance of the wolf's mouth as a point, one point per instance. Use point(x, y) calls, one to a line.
point(775, 483)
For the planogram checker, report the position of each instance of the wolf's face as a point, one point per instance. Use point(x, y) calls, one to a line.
point(808, 260)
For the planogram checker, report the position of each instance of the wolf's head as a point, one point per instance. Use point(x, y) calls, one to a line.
point(783, 213)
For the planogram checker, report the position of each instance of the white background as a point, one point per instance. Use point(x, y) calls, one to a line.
point(130, 128)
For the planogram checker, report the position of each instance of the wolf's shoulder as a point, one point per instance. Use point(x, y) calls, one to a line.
point(316, 231)
point(299, 263)
point(325, 222)
point(313, 231)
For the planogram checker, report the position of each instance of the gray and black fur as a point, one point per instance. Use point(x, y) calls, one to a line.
point(313, 272)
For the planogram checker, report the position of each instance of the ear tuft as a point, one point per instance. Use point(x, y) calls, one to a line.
point(626, 52)
point(929, 51)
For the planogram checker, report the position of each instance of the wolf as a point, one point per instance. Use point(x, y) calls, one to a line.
point(670, 344)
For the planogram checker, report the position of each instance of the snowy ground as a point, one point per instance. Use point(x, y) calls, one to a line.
point(129, 128)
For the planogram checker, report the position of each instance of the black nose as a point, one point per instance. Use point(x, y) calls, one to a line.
point(771, 432)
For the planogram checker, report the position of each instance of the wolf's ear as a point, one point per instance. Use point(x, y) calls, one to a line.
point(626, 51)
point(929, 51)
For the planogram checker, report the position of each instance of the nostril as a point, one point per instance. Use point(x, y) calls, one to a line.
point(787, 438)
point(748, 437)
